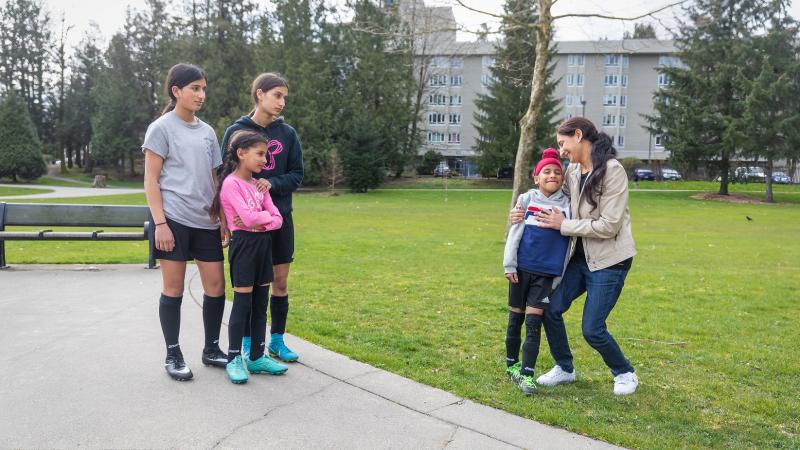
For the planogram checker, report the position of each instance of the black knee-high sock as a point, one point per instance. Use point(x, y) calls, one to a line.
point(530, 350)
point(238, 322)
point(258, 321)
point(278, 310)
point(169, 313)
point(247, 331)
point(513, 337)
point(213, 310)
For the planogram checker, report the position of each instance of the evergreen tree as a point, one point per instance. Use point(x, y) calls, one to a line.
point(697, 113)
point(122, 112)
point(770, 124)
point(500, 111)
point(641, 31)
point(20, 148)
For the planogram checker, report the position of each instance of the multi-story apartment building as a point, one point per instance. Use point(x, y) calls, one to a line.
point(610, 82)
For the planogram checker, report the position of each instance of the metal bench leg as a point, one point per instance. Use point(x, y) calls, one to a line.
point(3, 243)
point(151, 244)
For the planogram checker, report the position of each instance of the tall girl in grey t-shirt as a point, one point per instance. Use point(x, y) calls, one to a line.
point(181, 157)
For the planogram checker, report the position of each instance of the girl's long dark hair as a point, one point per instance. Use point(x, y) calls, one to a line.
point(602, 151)
point(180, 75)
point(239, 140)
point(265, 82)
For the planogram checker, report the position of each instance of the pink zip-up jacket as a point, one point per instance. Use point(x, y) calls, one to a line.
point(241, 198)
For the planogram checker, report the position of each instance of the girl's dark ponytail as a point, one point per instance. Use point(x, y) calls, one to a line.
point(240, 139)
point(602, 151)
point(180, 75)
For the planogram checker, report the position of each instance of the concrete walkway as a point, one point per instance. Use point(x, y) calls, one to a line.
point(81, 366)
point(66, 192)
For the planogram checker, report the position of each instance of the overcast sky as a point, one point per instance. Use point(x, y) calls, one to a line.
point(110, 15)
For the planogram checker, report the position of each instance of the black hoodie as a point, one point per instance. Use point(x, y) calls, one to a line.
point(284, 168)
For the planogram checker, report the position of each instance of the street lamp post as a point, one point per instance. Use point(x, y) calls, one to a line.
point(583, 108)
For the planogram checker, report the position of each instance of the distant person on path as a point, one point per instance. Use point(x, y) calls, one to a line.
point(250, 253)
point(282, 174)
point(533, 259)
point(181, 154)
point(600, 254)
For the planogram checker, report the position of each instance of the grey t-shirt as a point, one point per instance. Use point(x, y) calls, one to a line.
point(191, 153)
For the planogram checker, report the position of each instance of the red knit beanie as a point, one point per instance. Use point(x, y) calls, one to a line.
point(550, 156)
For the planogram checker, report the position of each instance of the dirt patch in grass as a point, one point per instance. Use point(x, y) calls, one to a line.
point(731, 198)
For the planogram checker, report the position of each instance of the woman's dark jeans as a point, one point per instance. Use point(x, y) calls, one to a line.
point(603, 288)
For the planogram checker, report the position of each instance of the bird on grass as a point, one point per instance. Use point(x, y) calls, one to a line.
point(749, 219)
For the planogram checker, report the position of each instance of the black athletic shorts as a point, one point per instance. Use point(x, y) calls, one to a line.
point(250, 259)
point(193, 243)
point(283, 241)
point(532, 290)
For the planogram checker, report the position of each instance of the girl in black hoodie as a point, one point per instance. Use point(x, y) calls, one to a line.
point(281, 175)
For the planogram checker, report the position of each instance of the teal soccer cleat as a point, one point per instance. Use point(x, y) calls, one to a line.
point(236, 371)
point(279, 350)
point(266, 365)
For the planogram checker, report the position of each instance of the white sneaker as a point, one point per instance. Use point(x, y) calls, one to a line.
point(556, 376)
point(625, 383)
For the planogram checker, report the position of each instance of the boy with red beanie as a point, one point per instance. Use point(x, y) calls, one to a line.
point(534, 261)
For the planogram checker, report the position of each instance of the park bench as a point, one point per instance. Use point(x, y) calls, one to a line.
point(65, 215)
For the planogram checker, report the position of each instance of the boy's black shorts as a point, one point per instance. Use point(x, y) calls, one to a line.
point(531, 290)
point(192, 243)
point(283, 241)
point(250, 259)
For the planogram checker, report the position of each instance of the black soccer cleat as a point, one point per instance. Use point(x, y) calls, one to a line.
point(215, 357)
point(176, 367)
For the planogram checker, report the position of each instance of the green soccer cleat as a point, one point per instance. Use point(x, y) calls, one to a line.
point(266, 364)
point(236, 371)
point(514, 372)
point(527, 385)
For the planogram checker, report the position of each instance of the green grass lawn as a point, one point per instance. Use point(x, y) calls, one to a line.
point(410, 283)
point(12, 191)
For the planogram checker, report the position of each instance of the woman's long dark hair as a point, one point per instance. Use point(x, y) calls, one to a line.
point(602, 151)
point(239, 140)
point(265, 82)
point(180, 75)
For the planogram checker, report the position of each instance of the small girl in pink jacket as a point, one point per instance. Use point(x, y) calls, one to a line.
point(249, 253)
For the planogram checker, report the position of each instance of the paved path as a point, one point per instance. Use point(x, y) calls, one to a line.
point(66, 192)
point(81, 365)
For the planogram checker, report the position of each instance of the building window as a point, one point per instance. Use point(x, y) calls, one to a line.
point(487, 80)
point(454, 138)
point(579, 79)
point(609, 120)
point(609, 100)
point(456, 80)
point(455, 119)
point(434, 137)
point(664, 80)
point(440, 61)
point(435, 118)
point(576, 60)
point(620, 141)
point(488, 61)
point(623, 100)
point(612, 60)
point(570, 79)
point(568, 100)
point(456, 62)
point(611, 80)
point(626, 61)
point(624, 80)
point(455, 100)
point(437, 99)
point(659, 141)
point(438, 80)
point(668, 61)
point(622, 120)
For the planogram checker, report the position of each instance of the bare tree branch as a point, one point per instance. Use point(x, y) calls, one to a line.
point(603, 16)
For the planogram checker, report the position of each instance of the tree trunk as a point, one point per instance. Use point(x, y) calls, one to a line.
point(533, 115)
point(724, 169)
point(768, 196)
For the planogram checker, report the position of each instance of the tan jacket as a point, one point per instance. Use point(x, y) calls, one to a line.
point(606, 231)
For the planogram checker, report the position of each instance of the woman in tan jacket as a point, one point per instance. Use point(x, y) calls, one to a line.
point(600, 253)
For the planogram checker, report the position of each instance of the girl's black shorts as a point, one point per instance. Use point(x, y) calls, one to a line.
point(250, 259)
point(283, 241)
point(532, 290)
point(192, 243)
